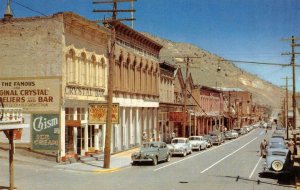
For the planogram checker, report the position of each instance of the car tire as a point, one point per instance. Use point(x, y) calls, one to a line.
point(277, 165)
point(133, 163)
point(154, 162)
point(168, 158)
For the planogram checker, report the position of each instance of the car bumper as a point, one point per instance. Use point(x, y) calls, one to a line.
point(177, 152)
point(142, 159)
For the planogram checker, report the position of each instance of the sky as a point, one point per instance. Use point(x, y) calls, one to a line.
point(247, 30)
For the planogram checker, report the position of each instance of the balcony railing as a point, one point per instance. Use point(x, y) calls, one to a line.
point(11, 115)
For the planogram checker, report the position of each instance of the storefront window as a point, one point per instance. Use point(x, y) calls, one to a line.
point(80, 114)
point(69, 113)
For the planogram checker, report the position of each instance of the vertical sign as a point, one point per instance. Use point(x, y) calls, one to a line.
point(45, 131)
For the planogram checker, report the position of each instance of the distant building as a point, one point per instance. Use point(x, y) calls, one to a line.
point(210, 107)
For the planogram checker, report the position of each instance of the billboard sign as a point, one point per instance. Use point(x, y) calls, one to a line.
point(45, 131)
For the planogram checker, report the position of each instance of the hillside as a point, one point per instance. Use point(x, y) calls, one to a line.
point(204, 72)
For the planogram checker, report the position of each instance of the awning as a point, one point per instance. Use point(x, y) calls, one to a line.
point(73, 123)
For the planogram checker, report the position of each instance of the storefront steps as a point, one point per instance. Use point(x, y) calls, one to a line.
point(91, 157)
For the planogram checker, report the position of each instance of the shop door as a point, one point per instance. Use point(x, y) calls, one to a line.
point(80, 140)
point(91, 138)
point(69, 142)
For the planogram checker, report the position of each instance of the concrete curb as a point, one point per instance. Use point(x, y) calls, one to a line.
point(110, 170)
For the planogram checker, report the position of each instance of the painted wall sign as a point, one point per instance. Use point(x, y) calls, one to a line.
point(37, 95)
point(45, 131)
point(97, 113)
point(84, 91)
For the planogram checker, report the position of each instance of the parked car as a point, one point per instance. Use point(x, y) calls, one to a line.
point(230, 134)
point(208, 140)
point(279, 133)
point(276, 142)
point(235, 134)
point(152, 152)
point(217, 138)
point(278, 158)
point(197, 142)
point(240, 131)
point(181, 146)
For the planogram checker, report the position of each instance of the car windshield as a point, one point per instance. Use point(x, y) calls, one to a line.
point(206, 137)
point(175, 141)
point(194, 138)
point(150, 145)
point(276, 144)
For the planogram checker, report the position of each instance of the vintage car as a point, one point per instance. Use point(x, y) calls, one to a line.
point(208, 140)
point(152, 152)
point(276, 142)
point(278, 158)
point(217, 138)
point(240, 131)
point(198, 142)
point(181, 146)
point(230, 134)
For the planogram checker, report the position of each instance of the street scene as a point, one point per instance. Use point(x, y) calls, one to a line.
point(136, 94)
point(234, 164)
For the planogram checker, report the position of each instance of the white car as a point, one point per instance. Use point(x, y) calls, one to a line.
point(234, 134)
point(181, 146)
point(198, 142)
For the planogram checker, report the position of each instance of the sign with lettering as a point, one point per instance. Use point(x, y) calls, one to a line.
point(98, 113)
point(36, 95)
point(84, 91)
point(45, 131)
point(177, 116)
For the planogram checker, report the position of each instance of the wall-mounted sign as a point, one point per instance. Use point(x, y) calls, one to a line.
point(98, 113)
point(36, 95)
point(177, 116)
point(84, 91)
point(45, 131)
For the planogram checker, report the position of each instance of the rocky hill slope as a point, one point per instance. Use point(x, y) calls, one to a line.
point(204, 71)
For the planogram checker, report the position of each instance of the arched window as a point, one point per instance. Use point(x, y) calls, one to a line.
point(93, 72)
point(103, 65)
point(71, 66)
point(82, 70)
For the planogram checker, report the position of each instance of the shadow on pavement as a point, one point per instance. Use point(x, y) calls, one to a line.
point(281, 182)
point(282, 179)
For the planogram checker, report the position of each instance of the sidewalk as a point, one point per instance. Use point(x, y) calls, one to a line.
point(117, 162)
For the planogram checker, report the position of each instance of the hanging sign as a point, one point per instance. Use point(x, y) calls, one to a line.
point(98, 113)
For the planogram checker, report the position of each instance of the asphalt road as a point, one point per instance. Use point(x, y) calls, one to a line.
point(233, 165)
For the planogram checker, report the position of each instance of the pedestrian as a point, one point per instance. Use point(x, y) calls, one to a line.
point(291, 145)
point(263, 146)
point(266, 130)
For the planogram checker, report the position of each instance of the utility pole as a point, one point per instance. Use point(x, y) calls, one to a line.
point(111, 24)
point(187, 60)
point(293, 53)
point(286, 107)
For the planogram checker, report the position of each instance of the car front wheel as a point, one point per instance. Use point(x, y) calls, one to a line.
point(154, 162)
point(168, 158)
point(277, 165)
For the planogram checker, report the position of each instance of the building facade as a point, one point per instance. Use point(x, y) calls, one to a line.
point(210, 101)
point(136, 88)
point(54, 67)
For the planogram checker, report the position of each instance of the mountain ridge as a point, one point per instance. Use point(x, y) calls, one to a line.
point(204, 70)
